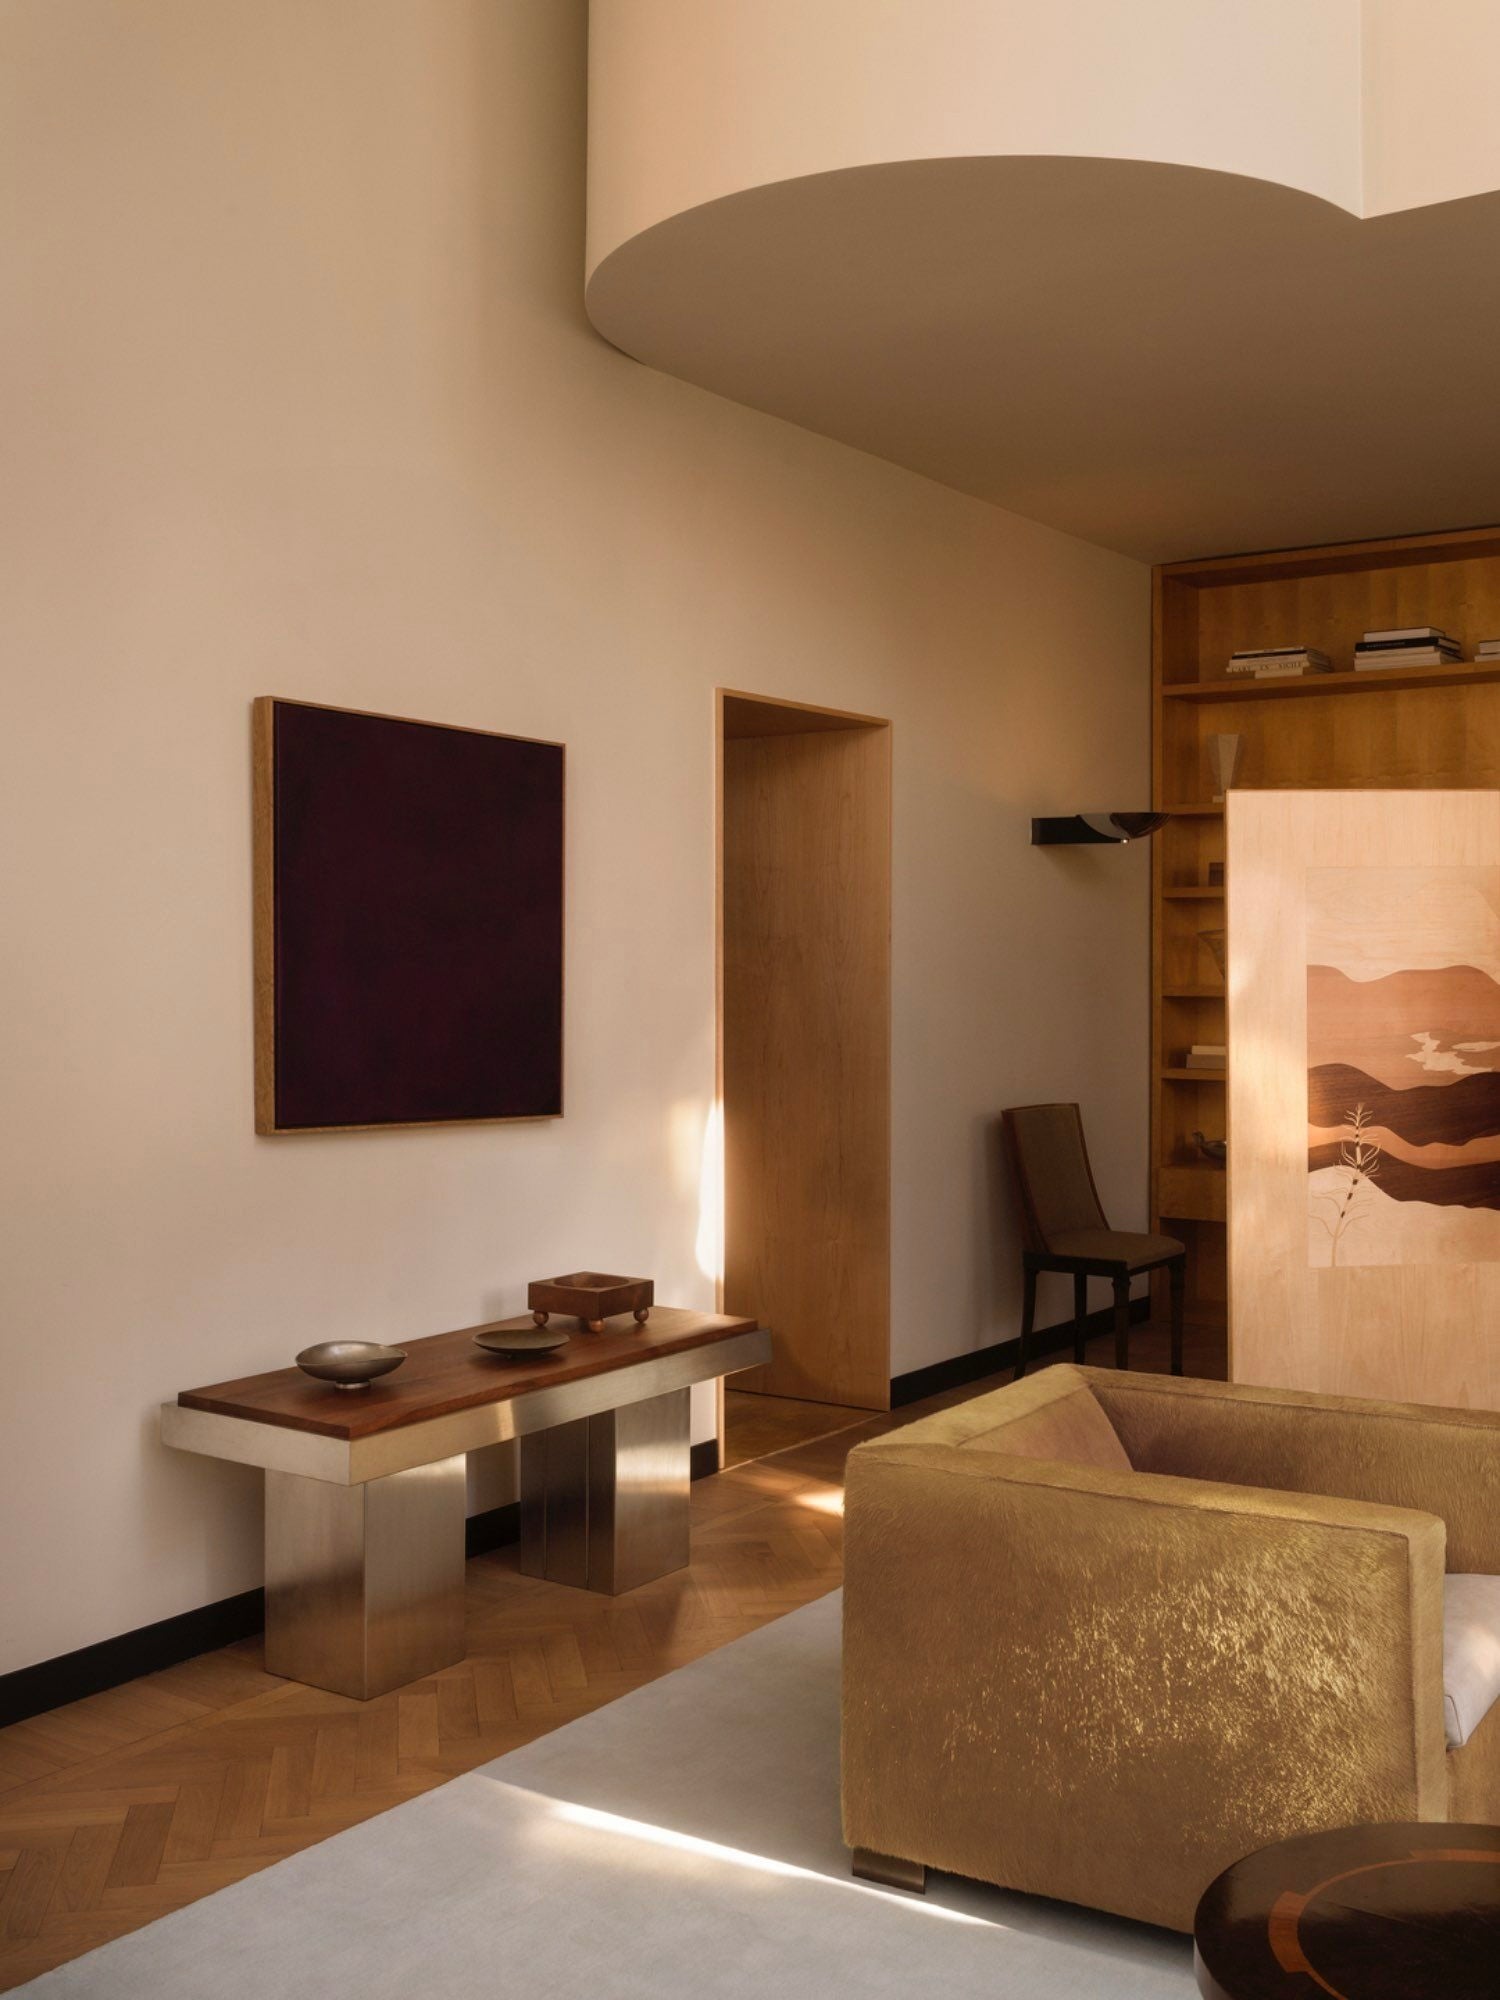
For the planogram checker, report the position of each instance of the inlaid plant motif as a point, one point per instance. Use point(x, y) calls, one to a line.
point(1357, 1168)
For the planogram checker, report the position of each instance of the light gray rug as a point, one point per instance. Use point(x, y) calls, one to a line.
point(683, 1840)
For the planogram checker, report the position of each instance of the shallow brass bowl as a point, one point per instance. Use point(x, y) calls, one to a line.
point(520, 1343)
point(349, 1364)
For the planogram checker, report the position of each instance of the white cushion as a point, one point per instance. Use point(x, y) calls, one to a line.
point(1471, 1653)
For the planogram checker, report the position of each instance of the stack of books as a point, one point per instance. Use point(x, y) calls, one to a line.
point(1207, 1055)
point(1487, 649)
point(1406, 646)
point(1270, 663)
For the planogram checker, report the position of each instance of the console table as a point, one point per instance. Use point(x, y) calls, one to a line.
point(365, 1492)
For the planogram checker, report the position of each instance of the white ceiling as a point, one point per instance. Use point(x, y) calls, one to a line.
point(1166, 360)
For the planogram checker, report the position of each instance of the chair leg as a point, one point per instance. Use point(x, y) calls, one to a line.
point(1080, 1314)
point(1177, 1278)
point(890, 1871)
point(1122, 1321)
point(1028, 1314)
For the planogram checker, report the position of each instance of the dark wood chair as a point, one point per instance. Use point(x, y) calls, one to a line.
point(1063, 1228)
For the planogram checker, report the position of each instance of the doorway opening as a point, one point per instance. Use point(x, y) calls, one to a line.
point(804, 1063)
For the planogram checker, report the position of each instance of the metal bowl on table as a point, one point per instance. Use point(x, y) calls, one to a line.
point(349, 1364)
point(519, 1343)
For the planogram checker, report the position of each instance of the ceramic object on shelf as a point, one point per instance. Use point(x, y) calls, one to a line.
point(519, 1343)
point(349, 1364)
point(593, 1295)
point(1212, 1149)
point(1224, 753)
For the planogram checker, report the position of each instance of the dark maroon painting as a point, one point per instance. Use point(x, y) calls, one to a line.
point(417, 908)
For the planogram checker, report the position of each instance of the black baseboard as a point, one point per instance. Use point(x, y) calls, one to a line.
point(52, 1683)
point(962, 1369)
point(92, 1669)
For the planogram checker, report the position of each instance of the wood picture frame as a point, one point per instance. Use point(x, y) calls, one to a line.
point(408, 921)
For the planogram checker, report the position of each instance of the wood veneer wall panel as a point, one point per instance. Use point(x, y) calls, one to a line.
point(1425, 1333)
point(806, 1056)
point(1373, 733)
point(1430, 738)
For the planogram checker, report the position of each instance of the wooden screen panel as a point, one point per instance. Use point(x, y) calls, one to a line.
point(409, 922)
point(1425, 1328)
point(806, 1028)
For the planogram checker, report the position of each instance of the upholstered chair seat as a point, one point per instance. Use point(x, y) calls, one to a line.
point(1105, 1633)
point(1117, 1246)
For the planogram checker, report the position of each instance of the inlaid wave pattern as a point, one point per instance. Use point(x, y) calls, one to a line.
point(1447, 1114)
point(1407, 1028)
point(1403, 1093)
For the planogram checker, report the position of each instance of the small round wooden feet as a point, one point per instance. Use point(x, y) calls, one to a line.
point(595, 1325)
point(540, 1318)
point(642, 1314)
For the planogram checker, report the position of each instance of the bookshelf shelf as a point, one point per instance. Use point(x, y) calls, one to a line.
point(1376, 680)
point(1412, 727)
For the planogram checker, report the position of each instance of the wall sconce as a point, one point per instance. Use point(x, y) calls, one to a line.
point(1094, 829)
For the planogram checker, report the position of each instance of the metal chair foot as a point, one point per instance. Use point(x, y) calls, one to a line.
point(889, 1871)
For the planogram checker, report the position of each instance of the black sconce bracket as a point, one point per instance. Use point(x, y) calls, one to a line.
point(1108, 829)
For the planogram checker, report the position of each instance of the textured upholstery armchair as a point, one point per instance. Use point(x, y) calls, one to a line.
point(1103, 1633)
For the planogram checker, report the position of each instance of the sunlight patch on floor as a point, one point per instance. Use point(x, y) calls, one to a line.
point(593, 1820)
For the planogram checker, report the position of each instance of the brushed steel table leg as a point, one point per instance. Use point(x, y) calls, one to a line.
point(365, 1584)
point(604, 1501)
point(555, 1504)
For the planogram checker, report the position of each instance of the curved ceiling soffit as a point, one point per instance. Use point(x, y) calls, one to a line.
point(1168, 360)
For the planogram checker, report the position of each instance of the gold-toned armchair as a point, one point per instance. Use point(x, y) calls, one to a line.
point(1105, 1633)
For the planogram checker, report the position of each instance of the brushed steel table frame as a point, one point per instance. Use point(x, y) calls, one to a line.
point(365, 1536)
point(604, 1500)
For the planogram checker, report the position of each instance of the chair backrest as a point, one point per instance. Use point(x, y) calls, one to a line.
point(1054, 1181)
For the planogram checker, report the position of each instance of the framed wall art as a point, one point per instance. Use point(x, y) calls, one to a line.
point(408, 921)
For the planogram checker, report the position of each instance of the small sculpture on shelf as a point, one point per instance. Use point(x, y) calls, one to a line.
point(1224, 753)
point(1216, 1150)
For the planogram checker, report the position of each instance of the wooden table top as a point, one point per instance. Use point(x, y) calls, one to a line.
point(1407, 1911)
point(445, 1372)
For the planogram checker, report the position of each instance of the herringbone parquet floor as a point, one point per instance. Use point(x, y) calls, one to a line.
point(119, 1808)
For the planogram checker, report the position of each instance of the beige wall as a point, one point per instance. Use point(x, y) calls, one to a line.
point(299, 398)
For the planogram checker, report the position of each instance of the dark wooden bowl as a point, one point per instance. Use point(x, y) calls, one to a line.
point(593, 1295)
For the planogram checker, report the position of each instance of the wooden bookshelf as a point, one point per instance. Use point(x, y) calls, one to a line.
point(1413, 727)
point(1372, 680)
